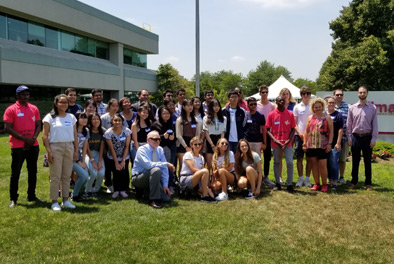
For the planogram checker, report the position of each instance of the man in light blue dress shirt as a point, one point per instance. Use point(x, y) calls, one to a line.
point(150, 170)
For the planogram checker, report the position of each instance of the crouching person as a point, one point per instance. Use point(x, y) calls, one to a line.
point(193, 172)
point(150, 171)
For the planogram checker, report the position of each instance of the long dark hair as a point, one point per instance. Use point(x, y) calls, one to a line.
point(137, 119)
point(184, 115)
point(159, 112)
point(90, 101)
point(147, 105)
point(80, 115)
point(211, 114)
point(55, 112)
point(239, 155)
point(90, 126)
point(111, 102)
point(201, 109)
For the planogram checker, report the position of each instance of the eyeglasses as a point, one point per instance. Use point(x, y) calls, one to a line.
point(305, 93)
point(197, 144)
point(252, 104)
point(155, 139)
point(339, 95)
point(224, 144)
point(264, 92)
point(331, 103)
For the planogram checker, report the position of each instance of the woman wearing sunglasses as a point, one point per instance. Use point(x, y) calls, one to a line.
point(223, 169)
point(193, 173)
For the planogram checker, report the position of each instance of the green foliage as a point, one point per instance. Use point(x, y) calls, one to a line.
point(168, 78)
point(363, 52)
point(384, 146)
point(305, 82)
point(265, 73)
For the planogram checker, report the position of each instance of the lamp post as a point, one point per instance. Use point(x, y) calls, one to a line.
point(197, 48)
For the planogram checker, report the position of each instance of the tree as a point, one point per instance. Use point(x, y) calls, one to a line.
point(265, 73)
point(168, 78)
point(305, 82)
point(363, 51)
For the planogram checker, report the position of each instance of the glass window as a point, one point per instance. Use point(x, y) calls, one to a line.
point(3, 26)
point(36, 34)
point(134, 58)
point(67, 41)
point(51, 38)
point(81, 45)
point(102, 50)
point(17, 29)
point(92, 47)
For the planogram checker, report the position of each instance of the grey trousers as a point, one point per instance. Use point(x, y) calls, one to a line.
point(288, 154)
point(151, 180)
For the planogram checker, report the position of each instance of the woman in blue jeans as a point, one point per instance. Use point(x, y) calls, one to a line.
point(333, 157)
point(79, 166)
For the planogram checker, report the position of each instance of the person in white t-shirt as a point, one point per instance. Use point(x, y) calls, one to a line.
point(61, 142)
point(193, 172)
point(223, 169)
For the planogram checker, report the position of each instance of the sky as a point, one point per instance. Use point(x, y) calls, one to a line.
point(235, 35)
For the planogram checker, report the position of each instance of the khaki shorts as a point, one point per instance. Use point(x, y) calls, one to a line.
point(344, 152)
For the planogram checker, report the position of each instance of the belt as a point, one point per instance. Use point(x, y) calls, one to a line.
point(362, 134)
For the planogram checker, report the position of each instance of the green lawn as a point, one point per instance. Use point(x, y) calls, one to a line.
point(307, 227)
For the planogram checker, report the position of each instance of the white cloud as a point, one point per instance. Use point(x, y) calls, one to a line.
point(282, 3)
point(238, 58)
point(171, 59)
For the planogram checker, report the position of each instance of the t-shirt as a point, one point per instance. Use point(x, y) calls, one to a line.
point(256, 158)
point(220, 160)
point(95, 141)
point(24, 122)
point(118, 141)
point(280, 125)
point(61, 129)
point(216, 128)
point(233, 136)
point(265, 109)
point(74, 109)
point(82, 139)
point(253, 125)
point(302, 111)
point(198, 163)
point(338, 122)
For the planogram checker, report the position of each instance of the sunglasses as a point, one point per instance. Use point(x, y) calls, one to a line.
point(339, 95)
point(224, 144)
point(264, 92)
point(155, 139)
point(197, 144)
point(305, 93)
point(252, 104)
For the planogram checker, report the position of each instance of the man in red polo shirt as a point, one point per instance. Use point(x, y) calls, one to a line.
point(22, 122)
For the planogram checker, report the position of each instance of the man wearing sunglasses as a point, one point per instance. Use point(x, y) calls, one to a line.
point(342, 107)
point(254, 130)
point(150, 171)
point(301, 112)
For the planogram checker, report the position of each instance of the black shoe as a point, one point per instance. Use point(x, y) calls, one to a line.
point(35, 199)
point(12, 204)
point(208, 199)
point(155, 205)
point(277, 187)
point(290, 189)
point(139, 193)
point(75, 198)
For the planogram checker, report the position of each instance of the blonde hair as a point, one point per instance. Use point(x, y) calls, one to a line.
point(217, 153)
point(315, 101)
point(291, 99)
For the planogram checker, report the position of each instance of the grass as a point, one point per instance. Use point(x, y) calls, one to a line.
point(346, 226)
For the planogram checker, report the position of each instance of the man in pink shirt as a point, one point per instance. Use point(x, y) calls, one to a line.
point(281, 128)
point(362, 132)
point(22, 122)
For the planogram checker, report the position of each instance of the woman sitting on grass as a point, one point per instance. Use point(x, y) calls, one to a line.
point(79, 166)
point(248, 169)
point(118, 141)
point(223, 169)
point(95, 153)
point(193, 172)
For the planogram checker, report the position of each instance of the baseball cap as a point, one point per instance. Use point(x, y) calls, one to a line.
point(22, 88)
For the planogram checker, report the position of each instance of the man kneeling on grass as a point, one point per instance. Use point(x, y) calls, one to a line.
point(150, 171)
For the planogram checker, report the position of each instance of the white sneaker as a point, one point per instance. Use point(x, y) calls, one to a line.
point(115, 195)
point(123, 194)
point(307, 182)
point(68, 205)
point(110, 189)
point(281, 180)
point(300, 182)
point(267, 181)
point(56, 207)
point(222, 197)
point(342, 181)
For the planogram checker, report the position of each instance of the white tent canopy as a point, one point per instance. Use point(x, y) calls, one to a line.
point(278, 85)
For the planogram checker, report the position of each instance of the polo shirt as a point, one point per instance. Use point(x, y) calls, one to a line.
point(24, 120)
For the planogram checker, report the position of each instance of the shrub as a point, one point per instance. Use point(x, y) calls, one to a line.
point(382, 147)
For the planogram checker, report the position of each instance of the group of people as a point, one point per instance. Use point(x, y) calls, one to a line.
point(215, 149)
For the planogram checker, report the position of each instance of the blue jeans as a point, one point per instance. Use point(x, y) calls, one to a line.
point(332, 164)
point(233, 146)
point(83, 176)
point(94, 174)
point(288, 154)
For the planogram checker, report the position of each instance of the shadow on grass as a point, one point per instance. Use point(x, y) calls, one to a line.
point(80, 208)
